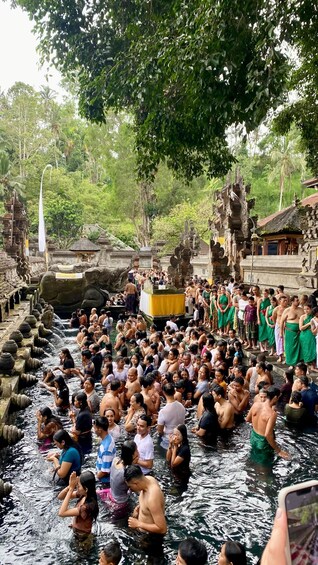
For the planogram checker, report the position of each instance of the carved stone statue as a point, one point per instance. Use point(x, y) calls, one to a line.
point(180, 268)
point(15, 230)
point(233, 225)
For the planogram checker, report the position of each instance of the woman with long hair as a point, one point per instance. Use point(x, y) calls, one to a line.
point(67, 363)
point(119, 491)
point(60, 391)
point(208, 425)
point(67, 460)
point(178, 453)
point(82, 422)
point(135, 410)
point(48, 424)
point(86, 509)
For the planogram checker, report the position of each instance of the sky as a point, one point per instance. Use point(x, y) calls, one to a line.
point(19, 60)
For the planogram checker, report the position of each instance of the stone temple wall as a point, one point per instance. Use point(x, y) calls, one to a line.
point(9, 279)
point(272, 270)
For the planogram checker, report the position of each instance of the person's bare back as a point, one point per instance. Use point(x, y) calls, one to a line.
point(149, 515)
point(110, 401)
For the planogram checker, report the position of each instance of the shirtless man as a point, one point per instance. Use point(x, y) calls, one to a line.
point(238, 396)
point(173, 362)
point(132, 384)
point(149, 515)
point(223, 408)
point(111, 400)
point(277, 319)
point(141, 324)
point(290, 329)
point(147, 391)
point(263, 418)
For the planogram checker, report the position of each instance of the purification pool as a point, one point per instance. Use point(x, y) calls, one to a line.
point(228, 495)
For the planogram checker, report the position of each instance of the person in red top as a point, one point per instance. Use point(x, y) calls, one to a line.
point(86, 509)
point(250, 320)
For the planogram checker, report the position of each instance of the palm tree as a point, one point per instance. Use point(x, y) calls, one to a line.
point(286, 159)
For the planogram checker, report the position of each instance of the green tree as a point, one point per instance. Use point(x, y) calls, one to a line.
point(63, 220)
point(185, 70)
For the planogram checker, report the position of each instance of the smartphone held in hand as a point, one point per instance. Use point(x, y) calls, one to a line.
point(300, 502)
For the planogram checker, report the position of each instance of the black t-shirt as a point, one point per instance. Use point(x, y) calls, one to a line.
point(84, 421)
point(209, 423)
point(68, 364)
point(184, 452)
point(97, 360)
point(64, 395)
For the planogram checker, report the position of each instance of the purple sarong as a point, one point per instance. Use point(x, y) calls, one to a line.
point(279, 341)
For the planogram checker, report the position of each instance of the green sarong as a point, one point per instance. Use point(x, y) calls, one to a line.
point(307, 343)
point(262, 328)
point(292, 345)
point(230, 316)
point(260, 446)
point(222, 316)
point(270, 331)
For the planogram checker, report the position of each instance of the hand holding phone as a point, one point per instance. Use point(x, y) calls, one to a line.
point(300, 503)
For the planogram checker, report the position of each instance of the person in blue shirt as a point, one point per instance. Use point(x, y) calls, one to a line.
point(106, 451)
point(66, 461)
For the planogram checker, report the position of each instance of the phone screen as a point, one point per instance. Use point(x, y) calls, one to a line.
point(302, 518)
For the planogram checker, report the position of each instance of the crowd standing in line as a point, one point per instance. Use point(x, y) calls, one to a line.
point(145, 380)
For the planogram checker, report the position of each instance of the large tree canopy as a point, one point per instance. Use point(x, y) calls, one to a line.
point(186, 70)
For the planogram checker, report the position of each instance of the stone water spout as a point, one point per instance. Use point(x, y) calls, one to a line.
point(43, 331)
point(32, 364)
point(25, 329)
point(37, 351)
point(41, 341)
point(5, 489)
point(31, 320)
point(10, 435)
point(10, 346)
point(20, 401)
point(28, 380)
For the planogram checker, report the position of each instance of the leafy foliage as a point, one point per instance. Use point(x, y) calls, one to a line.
point(186, 71)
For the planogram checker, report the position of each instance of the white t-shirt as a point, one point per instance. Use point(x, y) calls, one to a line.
point(172, 325)
point(170, 416)
point(145, 450)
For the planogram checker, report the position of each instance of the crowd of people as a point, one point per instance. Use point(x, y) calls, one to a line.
point(144, 379)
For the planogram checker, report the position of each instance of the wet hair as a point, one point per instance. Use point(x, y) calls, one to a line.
point(304, 380)
point(112, 552)
point(219, 390)
point(239, 380)
point(110, 410)
point(146, 419)
point(132, 472)
point(302, 367)
point(296, 397)
point(193, 552)
point(193, 348)
point(87, 480)
point(184, 432)
point(63, 435)
point(235, 553)
point(208, 355)
point(139, 398)
point(289, 374)
point(66, 352)
point(86, 353)
point(261, 385)
point(81, 397)
point(101, 422)
point(147, 380)
point(47, 413)
point(208, 402)
point(127, 452)
point(273, 391)
point(115, 385)
point(169, 389)
point(60, 381)
point(90, 380)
